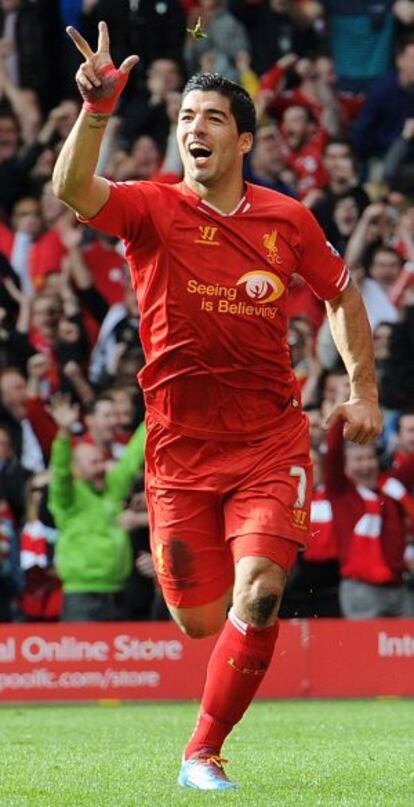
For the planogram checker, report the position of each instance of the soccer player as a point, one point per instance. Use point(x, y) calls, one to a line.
point(228, 471)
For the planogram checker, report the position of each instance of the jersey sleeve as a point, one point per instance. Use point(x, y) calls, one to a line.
point(126, 213)
point(320, 265)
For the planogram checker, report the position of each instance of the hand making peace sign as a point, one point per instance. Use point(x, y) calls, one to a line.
point(100, 83)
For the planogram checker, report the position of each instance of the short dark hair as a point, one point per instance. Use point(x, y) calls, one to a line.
point(90, 408)
point(241, 105)
point(338, 141)
point(389, 250)
point(409, 412)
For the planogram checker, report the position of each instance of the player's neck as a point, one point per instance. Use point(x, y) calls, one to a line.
point(224, 197)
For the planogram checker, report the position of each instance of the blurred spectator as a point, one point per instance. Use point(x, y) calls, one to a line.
point(146, 112)
point(26, 420)
point(266, 162)
point(41, 596)
point(156, 30)
point(398, 167)
point(405, 437)
point(14, 182)
point(375, 295)
point(344, 218)
point(23, 103)
point(342, 180)
point(107, 267)
point(13, 477)
point(314, 87)
point(361, 34)
point(57, 126)
point(370, 528)
point(10, 575)
point(101, 421)
point(118, 333)
point(16, 244)
point(382, 336)
point(374, 230)
point(141, 162)
point(93, 552)
point(399, 382)
point(142, 595)
point(23, 46)
point(303, 142)
point(49, 249)
point(276, 28)
point(128, 413)
point(226, 37)
point(403, 239)
point(389, 103)
point(385, 267)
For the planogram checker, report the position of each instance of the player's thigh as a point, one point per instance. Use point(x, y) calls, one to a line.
point(194, 565)
point(274, 506)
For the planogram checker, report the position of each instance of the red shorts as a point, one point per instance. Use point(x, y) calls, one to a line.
point(211, 503)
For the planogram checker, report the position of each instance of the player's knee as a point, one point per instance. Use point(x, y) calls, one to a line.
point(258, 594)
point(262, 610)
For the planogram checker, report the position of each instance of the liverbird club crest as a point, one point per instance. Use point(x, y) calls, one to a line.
point(270, 243)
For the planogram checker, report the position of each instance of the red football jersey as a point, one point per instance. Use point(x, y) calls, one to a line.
point(212, 296)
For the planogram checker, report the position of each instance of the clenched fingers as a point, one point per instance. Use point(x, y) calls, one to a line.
point(88, 76)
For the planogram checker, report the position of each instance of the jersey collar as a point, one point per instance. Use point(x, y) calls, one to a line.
point(242, 206)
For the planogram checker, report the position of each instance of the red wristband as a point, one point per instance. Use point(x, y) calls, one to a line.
point(103, 100)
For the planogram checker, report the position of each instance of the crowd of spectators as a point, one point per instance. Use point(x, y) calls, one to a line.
point(333, 84)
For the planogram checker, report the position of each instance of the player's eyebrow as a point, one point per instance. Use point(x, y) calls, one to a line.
point(209, 110)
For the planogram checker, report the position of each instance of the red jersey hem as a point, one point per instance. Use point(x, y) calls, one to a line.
point(262, 430)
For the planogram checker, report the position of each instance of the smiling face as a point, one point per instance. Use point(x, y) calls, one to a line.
point(210, 145)
point(361, 464)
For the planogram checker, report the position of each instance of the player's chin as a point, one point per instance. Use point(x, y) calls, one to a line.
point(203, 175)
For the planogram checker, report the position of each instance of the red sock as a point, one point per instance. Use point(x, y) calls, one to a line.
point(235, 670)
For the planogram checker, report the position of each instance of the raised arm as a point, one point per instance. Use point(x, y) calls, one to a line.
point(352, 335)
point(100, 85)
point(61, 490)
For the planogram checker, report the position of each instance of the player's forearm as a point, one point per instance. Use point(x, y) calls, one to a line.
point(352, 335)
point(356, 244)
point(73, 175)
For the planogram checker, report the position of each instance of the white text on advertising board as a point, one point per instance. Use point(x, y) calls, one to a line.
point(125, 647)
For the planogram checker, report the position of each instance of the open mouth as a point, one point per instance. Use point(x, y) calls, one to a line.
point(199, 152)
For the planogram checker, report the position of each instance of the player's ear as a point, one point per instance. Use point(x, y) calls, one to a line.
point(245, 142)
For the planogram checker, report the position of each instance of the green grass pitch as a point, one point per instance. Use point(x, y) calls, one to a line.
point(327, 753)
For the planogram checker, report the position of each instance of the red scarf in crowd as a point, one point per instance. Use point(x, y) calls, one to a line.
point(42, 596)
point(365, 561)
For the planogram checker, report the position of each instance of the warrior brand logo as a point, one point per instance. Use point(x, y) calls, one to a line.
point(263, 287)
point(300, 518)
point(270, 242)
point(207, 236)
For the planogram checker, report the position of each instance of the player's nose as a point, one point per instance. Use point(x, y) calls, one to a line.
point(198, 125)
